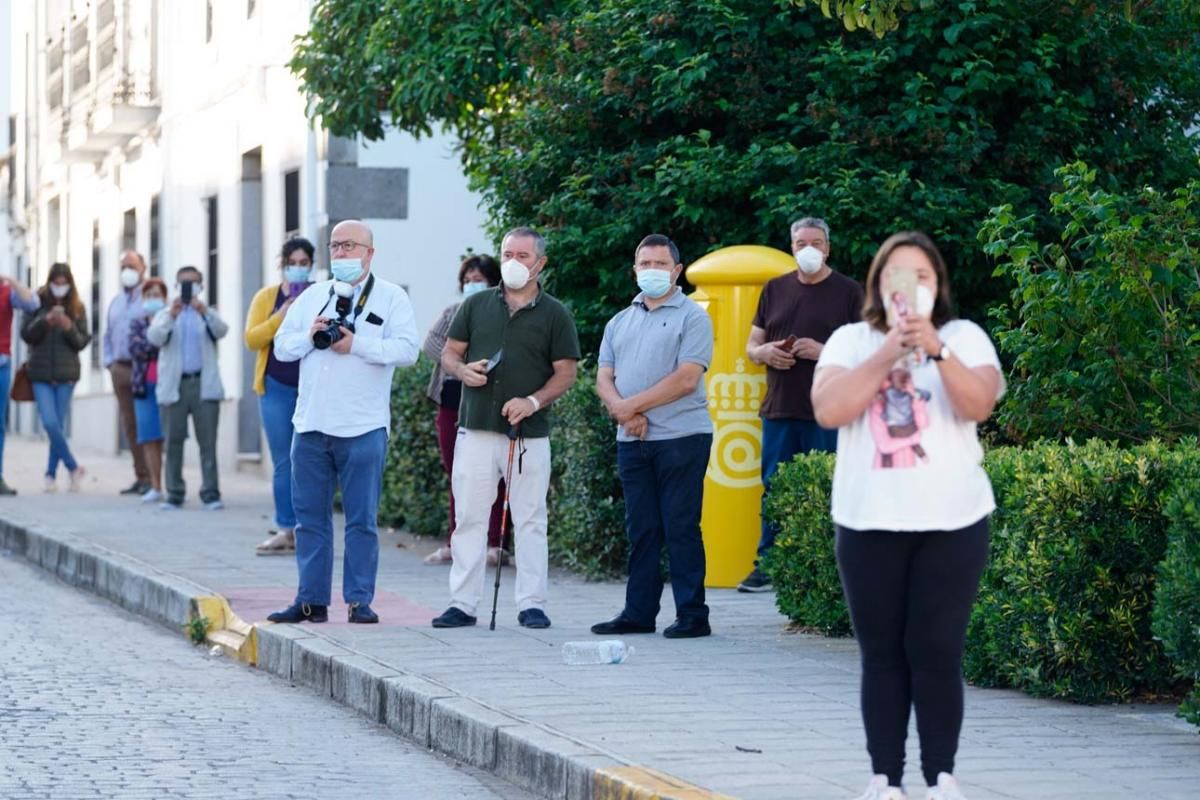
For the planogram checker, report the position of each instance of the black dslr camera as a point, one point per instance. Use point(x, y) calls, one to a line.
point(324, 338)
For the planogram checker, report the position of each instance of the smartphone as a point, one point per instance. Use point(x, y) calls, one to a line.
point(185, 292)
point(789, 343)
point(901, 293)
point(494, 360)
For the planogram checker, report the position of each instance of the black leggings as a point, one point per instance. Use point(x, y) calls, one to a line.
point(910, 597)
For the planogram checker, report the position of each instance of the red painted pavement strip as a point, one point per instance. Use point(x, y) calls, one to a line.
point(254, 604)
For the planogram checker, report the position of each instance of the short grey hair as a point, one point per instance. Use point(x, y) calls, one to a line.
point(811, 222)
point(539, 241)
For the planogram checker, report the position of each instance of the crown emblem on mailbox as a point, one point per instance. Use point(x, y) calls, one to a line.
point(734, 399)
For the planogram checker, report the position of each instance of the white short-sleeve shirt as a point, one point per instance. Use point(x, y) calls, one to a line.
point(909, 463)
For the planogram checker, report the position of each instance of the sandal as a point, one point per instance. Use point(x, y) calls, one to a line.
point(440, 556)
point(279, 544)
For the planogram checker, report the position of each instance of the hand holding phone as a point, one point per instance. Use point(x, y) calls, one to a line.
point(185, 292)
point(900, 293)
point(494, 360)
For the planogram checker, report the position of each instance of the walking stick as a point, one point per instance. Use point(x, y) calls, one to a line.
point(513, 432)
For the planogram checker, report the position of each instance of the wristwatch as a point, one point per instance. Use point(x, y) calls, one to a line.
point(942, 354)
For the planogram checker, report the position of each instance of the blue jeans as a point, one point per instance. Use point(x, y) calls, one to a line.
point(53, 405)
point(663, 482)
point(5, 383)
point(783, 440)
point(277, 407)
point(321, 463)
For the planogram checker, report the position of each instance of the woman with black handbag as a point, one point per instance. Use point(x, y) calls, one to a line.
point(56, 333)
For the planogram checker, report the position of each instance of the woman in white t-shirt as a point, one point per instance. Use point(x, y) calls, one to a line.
point(905, 388)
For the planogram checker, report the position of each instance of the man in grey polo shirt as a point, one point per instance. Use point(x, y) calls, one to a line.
point(652, 362)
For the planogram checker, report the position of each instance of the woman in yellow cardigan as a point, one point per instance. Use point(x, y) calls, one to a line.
point(276, 384)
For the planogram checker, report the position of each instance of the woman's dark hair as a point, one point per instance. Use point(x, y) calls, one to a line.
point(874, 313)
point(72, 303)
point(294, 244)
point(484, 264)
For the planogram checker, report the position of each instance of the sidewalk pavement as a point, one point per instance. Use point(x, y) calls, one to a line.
point(752, 712)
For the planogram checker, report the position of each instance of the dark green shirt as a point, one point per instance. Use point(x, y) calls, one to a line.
point(532, 339)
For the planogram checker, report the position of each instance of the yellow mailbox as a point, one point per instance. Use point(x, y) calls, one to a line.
point(728, 283)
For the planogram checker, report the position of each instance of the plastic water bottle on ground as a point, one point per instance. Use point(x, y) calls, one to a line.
point(605, 651)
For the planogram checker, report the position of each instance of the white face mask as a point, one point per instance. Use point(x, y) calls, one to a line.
point(130, 277)
point(60, 291)
point(810, 260)
point(515, 274)
point(925, 301)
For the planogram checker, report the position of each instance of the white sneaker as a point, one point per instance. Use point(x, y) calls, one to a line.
point(878, 789)
point(946, 789)
point(50, 485)
point(152, 496)
point(214, 505)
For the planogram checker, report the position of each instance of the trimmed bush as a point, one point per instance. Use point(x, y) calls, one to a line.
point(587, 506)
point(415, 487)
point(1065, 604)
point(802, 563)
point(1177, 596)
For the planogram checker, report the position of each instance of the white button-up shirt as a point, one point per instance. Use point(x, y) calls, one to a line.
point(348, 395)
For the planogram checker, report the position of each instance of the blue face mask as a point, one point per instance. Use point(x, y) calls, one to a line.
point(346, 269)
point(654, 282)
point(153, 306)
point(475, 287)
point(296, 274)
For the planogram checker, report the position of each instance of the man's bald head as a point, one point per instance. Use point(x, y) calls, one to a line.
point(354, 229)
point(133, 259)
point(352, 238)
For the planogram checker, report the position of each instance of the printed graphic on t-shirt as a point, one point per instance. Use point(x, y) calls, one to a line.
point(898, 415)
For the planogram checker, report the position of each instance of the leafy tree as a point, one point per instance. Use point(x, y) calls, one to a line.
point(881, 16)
point(1103, 327)
point(719, 121)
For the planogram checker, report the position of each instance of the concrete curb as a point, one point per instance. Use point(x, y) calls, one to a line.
point(533, 757)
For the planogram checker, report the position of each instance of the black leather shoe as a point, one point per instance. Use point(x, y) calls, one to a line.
point(361, 612)
point(453, 618)
point(687, 629)
point(619, 625)
point(533, 618)
point(301, 612)
point(138, 488)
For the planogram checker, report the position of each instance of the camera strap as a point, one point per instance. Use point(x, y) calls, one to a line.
point(362, 299)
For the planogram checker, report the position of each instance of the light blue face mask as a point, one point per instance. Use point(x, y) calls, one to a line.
point(654, 282)
point(346, 269)
point(296, 274)
point(474, 287)
point(153, 306)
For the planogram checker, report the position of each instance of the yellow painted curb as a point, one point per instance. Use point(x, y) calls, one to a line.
point(642, 783)
point(226, 629)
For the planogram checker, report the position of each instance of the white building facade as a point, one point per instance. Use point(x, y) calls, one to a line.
point(174, 127)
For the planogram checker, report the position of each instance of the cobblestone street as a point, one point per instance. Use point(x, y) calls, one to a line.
point(95, 703)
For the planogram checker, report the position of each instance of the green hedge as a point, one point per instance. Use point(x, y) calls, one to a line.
point(1065, 604)
point(1177, 595)
point(587, 510)
point(415, 492)
point(587, 506)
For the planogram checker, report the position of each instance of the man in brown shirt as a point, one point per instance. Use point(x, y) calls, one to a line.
point(796, 314)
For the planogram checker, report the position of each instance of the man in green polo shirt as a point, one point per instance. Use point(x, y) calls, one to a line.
point(514, 348)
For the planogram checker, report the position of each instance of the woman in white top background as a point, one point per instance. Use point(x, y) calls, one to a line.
point(910, 501)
